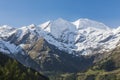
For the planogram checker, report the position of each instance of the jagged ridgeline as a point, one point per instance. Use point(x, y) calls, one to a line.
point(10, 69)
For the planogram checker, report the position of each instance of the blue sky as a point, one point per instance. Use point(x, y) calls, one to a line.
point(17, 13)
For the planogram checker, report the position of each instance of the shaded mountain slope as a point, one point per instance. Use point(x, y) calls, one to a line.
point(10, 69)
point(51, 58)
point(106, 69)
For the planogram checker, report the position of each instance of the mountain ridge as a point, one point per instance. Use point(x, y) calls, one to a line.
point(57, 43)
point(66, 36)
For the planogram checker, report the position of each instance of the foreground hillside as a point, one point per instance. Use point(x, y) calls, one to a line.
point(10, 69)
point(106, 69)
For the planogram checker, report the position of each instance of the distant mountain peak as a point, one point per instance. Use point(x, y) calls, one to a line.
point(32, 26)
point(58, 26)
point(6, 27)
point(60, 20)
point(44, 25)
point(84, 23)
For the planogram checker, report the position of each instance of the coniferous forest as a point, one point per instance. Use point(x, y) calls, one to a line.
point(12, 70)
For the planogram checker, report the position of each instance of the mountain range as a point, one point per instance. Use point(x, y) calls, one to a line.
point(59, 45)
point(72, 37)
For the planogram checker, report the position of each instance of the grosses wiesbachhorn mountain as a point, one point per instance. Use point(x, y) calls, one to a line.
point(56, 45)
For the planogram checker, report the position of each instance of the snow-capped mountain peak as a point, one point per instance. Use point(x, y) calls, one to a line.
point(6, 27)
point(84, 23)
point(60, 20)
point(44, 25)
point(32, 26)
point(58, 27)
point(5, 30)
